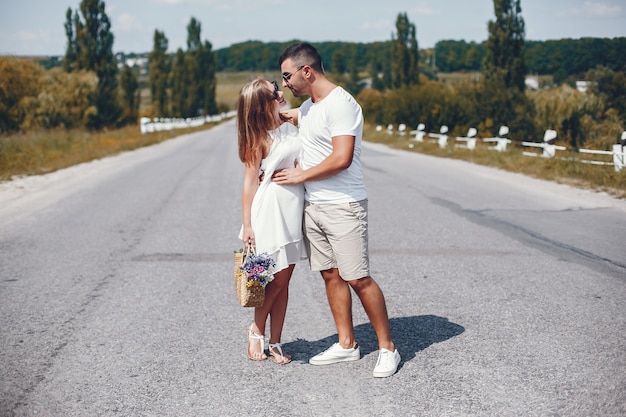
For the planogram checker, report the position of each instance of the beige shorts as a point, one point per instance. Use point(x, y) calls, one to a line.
point(336, 237)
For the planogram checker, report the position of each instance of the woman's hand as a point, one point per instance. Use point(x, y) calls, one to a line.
point(248, 236)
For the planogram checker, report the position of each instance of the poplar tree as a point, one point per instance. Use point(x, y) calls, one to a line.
point(504, 61)
point(404, 54)
point(207, 67)
point(200, 62)
point(502, 97)
point(158, 72)
point(193, 76)
point(70, 59)
point(193, 106)
point(178, 83)
point(129, 94)
point(90, 47)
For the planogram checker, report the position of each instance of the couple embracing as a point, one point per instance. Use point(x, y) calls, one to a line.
point(315, 169)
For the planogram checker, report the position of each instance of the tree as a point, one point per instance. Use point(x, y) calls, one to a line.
point(71, 52)
point(206, 78)
point(191, 102)
point(178, 81)
point(504, 62)
point(195, 72)
point(90, 47)
point(376, 73)
point(610, 86)
point(193, 35)
point(354, 81)
point(338, 63)
point(404, 54)
point(130, 98)
point(502, 98)
point(159, 69)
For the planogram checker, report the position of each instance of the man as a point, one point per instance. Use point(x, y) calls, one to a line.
point(335, 214)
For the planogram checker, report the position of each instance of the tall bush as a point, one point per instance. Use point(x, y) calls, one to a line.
point(21, 81)
point(67, 99)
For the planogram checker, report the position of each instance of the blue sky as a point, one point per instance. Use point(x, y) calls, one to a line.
point(35, 27)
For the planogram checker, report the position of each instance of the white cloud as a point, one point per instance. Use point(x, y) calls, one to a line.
point(601, 9)
point(423, 8)
point(126, 23)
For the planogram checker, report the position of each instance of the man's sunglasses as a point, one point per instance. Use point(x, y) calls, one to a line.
point(287, 76)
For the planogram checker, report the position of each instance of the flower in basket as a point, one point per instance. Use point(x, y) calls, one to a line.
point(257, 269)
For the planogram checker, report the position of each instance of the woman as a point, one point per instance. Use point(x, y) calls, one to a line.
point(272, 213)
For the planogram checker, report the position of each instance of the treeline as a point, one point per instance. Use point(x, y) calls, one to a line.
point(560, 58)
point(263, 56)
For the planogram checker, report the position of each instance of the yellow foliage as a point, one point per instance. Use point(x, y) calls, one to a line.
point(598, 127)
point(21, 80)
point(67, 98)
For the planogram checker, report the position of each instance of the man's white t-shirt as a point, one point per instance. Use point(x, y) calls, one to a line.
point(336, 115)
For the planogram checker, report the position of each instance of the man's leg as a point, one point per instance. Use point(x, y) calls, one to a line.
point(373, 301)
point(340, 302)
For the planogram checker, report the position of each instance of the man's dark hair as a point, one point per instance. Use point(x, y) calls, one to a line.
point(303, 53)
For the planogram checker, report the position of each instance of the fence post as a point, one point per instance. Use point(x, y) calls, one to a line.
point(419, 133)
point(500, 140)
point(470, 139)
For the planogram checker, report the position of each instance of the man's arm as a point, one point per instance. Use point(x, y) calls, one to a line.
point(338, 160)
point(292, 114)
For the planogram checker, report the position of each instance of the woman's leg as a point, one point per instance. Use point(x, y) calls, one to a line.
point(279, 296)
point(275, 306)
point(255, 347)
point(278, 292)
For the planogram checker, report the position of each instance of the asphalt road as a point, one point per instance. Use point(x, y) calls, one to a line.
point(506, 295)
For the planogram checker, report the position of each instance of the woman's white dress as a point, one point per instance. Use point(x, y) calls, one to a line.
point(276, 212)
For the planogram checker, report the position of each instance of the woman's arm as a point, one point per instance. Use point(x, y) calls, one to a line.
point(250, 185)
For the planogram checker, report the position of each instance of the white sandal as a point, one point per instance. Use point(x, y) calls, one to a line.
point(261, 338)
point(283, 359)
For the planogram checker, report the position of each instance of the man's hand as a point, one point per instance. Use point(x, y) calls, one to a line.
point(289, 176)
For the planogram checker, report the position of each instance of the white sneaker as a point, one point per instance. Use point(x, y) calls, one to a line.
point(335, 354)
point(387, 363)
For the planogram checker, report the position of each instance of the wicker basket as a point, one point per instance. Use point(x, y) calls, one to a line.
point(247, 296)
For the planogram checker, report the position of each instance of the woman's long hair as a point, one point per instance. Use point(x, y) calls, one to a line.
point(255, 119)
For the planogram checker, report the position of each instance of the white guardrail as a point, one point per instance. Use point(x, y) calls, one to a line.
point(148, 125)
point(545, 149)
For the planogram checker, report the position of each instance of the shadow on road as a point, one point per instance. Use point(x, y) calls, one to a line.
point(410, 334)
